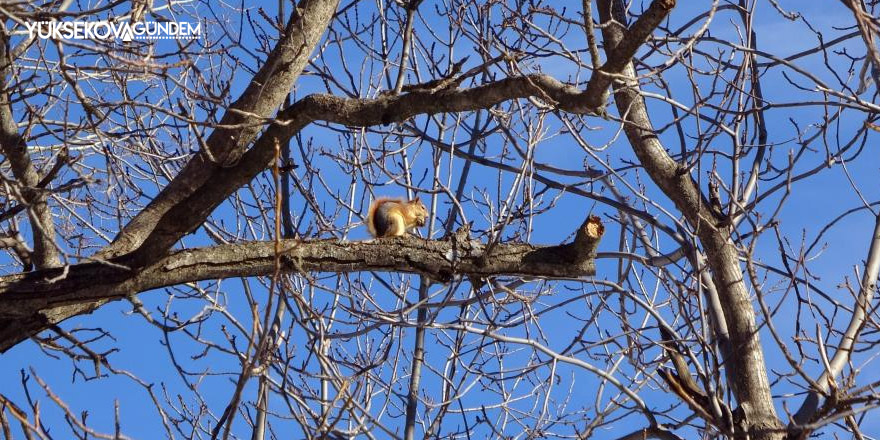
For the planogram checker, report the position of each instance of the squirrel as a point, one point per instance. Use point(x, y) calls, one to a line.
point(393, 217)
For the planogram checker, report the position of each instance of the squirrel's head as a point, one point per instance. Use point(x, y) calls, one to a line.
point(419, 212)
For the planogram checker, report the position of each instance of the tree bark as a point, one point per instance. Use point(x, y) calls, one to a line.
point(32, 301)
point(745, 368)
point(157, 225)
point(15, 149)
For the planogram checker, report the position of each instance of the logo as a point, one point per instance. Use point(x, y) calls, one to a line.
point(108, 30)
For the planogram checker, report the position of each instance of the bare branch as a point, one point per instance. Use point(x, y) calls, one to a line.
point(15, 149)
point(31, 298)
point(223, 148)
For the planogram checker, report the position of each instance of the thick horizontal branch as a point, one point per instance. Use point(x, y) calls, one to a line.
point(191, 210)
point(25, 299)
point(387, 109)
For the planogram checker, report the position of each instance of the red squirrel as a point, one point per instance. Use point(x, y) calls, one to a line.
point(393, 217)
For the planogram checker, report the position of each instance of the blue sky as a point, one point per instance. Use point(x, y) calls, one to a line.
point(812, 204)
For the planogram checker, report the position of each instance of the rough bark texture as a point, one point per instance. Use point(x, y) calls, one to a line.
point(15, 149)
point(156, 225)
point(744, 359)
point(30, 302)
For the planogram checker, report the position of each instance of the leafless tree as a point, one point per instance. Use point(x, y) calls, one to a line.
point(183, 220)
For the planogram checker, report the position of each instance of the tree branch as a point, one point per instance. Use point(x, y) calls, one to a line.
point(15, 149)
point(841, 357)
point(221, 182)
point(744, 359)
point(224, 147)
point(218, 171)
point(626, 47)
point(29, 303)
